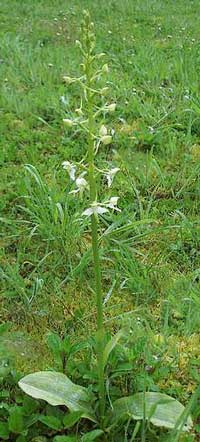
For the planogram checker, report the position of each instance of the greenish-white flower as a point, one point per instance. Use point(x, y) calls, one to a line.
point(110, 175)
point(112, 203)
point(111, 107)
point(81, 185)
point(95, 209)
point(103, 131)
point(101, 208)
point(71, 169)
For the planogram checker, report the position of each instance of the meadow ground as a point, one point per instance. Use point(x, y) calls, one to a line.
point(151, 267)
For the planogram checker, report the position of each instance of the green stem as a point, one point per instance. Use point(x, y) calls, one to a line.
point(95, 245)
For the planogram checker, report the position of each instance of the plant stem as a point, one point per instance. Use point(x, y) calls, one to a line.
point(95, 245)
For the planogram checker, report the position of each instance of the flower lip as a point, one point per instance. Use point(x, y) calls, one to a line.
point(95, 209)
point(112, 203)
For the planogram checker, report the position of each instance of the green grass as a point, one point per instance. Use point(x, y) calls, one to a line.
point(152, 48)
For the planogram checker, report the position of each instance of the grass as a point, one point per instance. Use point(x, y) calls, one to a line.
point(151, 267)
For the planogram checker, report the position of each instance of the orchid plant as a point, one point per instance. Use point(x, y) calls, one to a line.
point(57, 388)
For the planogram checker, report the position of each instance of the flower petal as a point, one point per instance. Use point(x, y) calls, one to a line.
point(103, 131)
point(101, 210)
point(88, 212)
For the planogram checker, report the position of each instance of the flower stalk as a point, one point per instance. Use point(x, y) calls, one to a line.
point(94, 226)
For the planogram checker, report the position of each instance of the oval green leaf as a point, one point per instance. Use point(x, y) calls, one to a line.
point(160, 409)
point(51, 422)
point(57, 389)
point(92, 435)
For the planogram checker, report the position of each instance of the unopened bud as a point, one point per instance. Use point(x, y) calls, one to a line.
point(68, 122)
point(111, 107)
point(106, 139)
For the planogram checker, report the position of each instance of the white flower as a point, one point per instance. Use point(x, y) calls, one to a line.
point(95, 209)
point(112, 203)
point(99, 208)
point(68, 122)
point(111, 174)
point(71, 169)
point(111, 107)
point(106, 139)
point(81, 184)
point(103, 131)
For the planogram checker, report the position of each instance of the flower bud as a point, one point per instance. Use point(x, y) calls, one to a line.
point(106, 139)
point(68, 122)
point(105, 68)
point(111, 107)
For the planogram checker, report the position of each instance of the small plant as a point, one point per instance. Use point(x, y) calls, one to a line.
point(108, 418)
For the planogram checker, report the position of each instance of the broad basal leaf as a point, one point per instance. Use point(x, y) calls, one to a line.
point(91, 435)
point(4, 431)
point(160, 409)
point(15, 420)
point(56, 389)
point(51, 422)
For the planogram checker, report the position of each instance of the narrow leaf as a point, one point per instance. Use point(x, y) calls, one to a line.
point(65, 439)
point(110, 346)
